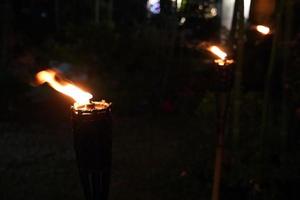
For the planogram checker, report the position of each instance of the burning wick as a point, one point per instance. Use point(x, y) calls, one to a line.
point(263, 29)
point(221, 62)
point(66, 87)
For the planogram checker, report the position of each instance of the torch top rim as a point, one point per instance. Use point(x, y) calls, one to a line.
point(90, 107)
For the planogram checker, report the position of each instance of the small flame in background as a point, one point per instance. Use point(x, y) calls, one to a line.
point(263, 29)
point(221, 62)
point(222, 56)
point(53, 78)
point(218, 52)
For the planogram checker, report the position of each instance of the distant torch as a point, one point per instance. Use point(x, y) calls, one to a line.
point(224, 68)
point(264, 30)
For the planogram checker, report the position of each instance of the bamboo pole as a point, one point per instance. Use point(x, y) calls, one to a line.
point(221, 114)
point(270, 70)
point(238, 75)
point(267, 87)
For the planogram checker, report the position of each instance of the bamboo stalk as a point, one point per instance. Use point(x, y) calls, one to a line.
point(267, 88)
point(269, 74)
point(233, 29)
point(238, 75)
point(222, 106)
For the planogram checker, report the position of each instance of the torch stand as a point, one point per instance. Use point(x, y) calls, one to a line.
point(223, 87)
point(93, 146)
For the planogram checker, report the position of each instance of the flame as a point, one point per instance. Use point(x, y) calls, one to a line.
point(221, 62)
point(263, 29)
point(66, 87)
point(218, 52)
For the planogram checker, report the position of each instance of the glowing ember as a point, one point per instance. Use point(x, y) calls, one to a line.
point(221, 62)
point(263, 29)
point(93, 105)
point(218, 52)
point(66, 87)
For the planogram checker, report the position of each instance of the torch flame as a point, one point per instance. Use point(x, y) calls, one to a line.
point(218, 52)
point(51, 77)
point(263, 29)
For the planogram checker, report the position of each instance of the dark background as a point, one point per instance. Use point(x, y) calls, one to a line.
point(162, 86)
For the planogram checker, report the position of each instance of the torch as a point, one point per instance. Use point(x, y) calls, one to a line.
point(92, 131)
point(264, 30)
point(224, 70)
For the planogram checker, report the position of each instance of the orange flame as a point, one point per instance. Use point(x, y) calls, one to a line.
point(221, 62)
point(263, 29)
point(66, 87)
point(218, 52)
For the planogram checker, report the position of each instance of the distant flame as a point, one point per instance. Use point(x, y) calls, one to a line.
point(221, 62)
point(218, 52)
point(66, 87)
point(263, 29)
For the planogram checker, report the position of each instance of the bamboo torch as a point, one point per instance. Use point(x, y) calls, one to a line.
point(223, 69)
point(92, 130)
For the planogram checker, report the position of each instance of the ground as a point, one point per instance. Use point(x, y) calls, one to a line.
point(153, 158)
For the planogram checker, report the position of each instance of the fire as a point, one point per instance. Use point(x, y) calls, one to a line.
point(263, 29)
point(221, 62)
point(66, 87)
point(218, 52)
